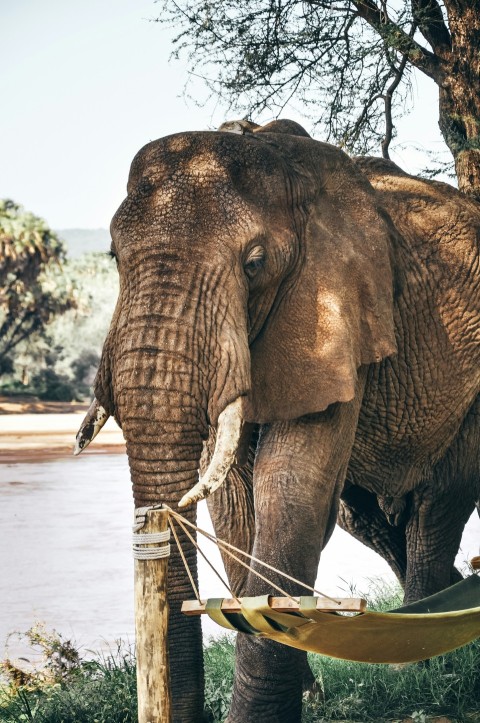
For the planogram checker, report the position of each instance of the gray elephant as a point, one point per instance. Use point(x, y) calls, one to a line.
point(317, 319)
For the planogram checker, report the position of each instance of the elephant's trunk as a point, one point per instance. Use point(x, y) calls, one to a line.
point(228, 436)
point(163, 451)
point(163, 413)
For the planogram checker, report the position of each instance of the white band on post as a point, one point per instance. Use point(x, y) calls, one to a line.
point(140, 539)
point(151, 553)
point(150, 538)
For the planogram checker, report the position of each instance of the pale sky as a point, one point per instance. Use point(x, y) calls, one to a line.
point(86, 84)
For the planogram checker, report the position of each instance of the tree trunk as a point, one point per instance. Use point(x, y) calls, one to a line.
point(460, 96)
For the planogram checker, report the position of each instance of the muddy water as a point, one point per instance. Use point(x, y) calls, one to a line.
point(65, 554)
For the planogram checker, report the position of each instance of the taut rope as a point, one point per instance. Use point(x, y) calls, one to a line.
point(141, 552)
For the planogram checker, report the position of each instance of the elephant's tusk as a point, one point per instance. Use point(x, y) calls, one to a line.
point(229, 430)
point(90, 427)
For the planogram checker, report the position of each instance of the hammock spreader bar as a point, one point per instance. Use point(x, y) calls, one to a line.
point(429, 627)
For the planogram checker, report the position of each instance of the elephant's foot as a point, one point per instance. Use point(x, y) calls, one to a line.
point(268, 682)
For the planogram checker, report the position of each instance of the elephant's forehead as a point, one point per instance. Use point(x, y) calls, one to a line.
point(202, 155)
point(183, 150)
point(196, 180)
point(202, 198)
point(200, 167)
point(194, 202)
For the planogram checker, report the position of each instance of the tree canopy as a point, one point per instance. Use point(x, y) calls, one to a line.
point(76, 337)
point(32, 287)
point(348, 61)
point(60, 362)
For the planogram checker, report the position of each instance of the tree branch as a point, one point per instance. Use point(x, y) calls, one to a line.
point(399, 40)
point(429, 17)
point(388, 107)
point(388, 98)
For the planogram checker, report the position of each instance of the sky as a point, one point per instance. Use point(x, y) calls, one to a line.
point(87, 84)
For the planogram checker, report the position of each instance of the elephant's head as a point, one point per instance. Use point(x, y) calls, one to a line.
point(255, 279)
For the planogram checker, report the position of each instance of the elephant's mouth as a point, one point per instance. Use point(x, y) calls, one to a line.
point(229, 431)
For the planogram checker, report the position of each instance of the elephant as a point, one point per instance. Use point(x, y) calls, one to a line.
point(303, 327)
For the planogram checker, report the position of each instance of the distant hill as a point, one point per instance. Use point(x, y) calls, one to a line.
point(84, 240)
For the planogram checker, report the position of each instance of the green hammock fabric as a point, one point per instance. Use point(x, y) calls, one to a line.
point(426, 628)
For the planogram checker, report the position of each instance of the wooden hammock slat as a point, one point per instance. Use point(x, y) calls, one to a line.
point(281, 605)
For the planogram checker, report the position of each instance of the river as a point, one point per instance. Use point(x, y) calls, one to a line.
point(65, 557)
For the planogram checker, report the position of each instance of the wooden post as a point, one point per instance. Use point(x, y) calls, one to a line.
point(151, 624)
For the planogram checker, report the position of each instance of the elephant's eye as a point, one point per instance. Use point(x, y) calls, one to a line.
point(112, 254)
point(255, 261)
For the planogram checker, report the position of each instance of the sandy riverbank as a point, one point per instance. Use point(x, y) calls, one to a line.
point(30, 429)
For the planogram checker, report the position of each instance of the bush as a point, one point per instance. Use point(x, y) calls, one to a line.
point(60, 363)
point(48, 385)
point(65, 688)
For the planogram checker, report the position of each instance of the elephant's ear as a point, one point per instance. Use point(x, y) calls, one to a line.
point(335, 312)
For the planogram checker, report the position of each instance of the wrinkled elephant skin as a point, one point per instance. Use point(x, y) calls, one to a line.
point(334, 305)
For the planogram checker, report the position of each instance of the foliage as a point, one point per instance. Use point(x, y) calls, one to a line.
point(33, 288)
point(61, 363)
point(264, 54)
point(67, 688)
point(343, 61)
point(56, 659)
point(77, 336)
point(70, 689)
point(47, 384)
point(446, 685)
point(219, 667)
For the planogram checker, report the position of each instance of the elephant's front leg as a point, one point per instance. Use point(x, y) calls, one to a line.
point(298, 476)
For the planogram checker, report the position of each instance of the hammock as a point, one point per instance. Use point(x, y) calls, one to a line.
point(432, 626)
point(343, 628)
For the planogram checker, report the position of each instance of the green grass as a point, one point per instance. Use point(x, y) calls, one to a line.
point(448, 685)
point(69, 689)
point(102, 692)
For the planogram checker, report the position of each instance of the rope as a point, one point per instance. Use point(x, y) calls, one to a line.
point(140, 539)
point(187, 568)
point(195, 543)
point(223, 545)
point(147, 538)
point(154, 553)
point(228, 552)
point(151, 553)
point(255, 572)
